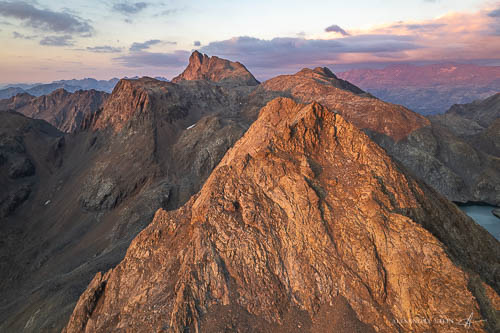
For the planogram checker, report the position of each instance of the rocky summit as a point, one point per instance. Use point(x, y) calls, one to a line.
point(354, 104)
point(306, 225)
point(203, 67)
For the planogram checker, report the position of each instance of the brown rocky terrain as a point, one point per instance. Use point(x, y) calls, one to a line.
point(430, 150)
point(306, 225)
point(360, 108)
point(215, 69)
point(63, 109)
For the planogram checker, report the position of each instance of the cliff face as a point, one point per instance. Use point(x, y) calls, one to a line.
point(203, 67)
point(62, 109)
point(304, 221)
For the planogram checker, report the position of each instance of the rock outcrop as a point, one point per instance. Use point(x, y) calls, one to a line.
point(62, 109)
point(306, 225)
point(215, 69)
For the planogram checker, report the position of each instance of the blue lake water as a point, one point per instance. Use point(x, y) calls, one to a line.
point(482, 215)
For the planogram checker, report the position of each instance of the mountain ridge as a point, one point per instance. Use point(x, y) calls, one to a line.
point(295, 219)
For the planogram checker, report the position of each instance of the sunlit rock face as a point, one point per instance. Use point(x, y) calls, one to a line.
point(215, 69)
point(306, 225)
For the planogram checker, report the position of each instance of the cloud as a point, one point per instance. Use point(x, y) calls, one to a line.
point(65, 40)
point(299, 51)
point(168, 12)
point(104, 49)
point(144, 46)
point(130, 8)
point(337, 29)
point(494, 13)
point(44, 19)
point(419, 27)
point(149, 59)
point(18, 35)
point(197, 43)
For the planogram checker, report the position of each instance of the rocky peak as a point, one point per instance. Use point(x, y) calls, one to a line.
point(325, 76)
point(203, 67)
point(304, 220)
point(363, 110)
point(133, 99)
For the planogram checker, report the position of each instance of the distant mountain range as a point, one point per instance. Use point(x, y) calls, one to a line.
point(428, 89)
point(39, 89)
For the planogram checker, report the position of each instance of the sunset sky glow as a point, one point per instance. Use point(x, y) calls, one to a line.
point(47, 40)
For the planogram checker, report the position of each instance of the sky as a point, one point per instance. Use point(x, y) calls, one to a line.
point(46, 40)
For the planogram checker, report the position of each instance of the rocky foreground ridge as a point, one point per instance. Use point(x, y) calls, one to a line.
point(306, 225)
